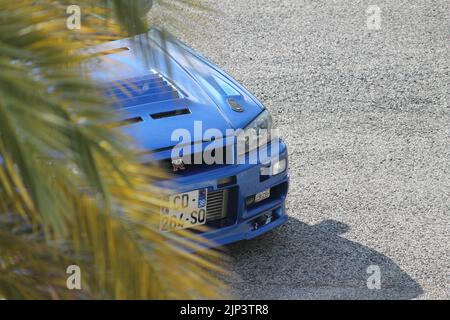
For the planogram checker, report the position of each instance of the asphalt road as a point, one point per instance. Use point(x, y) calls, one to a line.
point(366, 117)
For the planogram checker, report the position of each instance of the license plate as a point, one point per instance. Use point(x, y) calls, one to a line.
point(188, 209)
point(262, 195)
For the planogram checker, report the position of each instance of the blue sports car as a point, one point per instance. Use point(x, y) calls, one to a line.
point(228, 168)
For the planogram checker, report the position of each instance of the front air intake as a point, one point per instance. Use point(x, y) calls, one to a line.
point(216, 207)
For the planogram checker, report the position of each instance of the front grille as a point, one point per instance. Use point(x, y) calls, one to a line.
point(216, 207)
point(192, 167)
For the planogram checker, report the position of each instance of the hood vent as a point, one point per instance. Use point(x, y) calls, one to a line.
point(127, 122)
point(143, 90)
point(169, 114)
point(111, 51)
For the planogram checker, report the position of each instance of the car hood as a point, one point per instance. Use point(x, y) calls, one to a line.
point(171, 88)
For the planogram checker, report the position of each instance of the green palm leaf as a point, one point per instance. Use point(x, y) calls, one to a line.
point(71, 188)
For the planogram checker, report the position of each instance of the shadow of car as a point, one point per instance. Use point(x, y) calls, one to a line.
point(300, 261)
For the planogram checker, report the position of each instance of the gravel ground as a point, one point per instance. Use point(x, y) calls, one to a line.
point(365, 114)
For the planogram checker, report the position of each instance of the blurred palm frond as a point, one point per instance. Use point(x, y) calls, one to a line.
point(72, 190)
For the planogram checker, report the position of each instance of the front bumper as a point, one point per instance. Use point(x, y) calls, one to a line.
point(241, 181)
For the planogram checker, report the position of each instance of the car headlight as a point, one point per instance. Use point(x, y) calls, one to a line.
point(256, 134)
point(279, 166)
